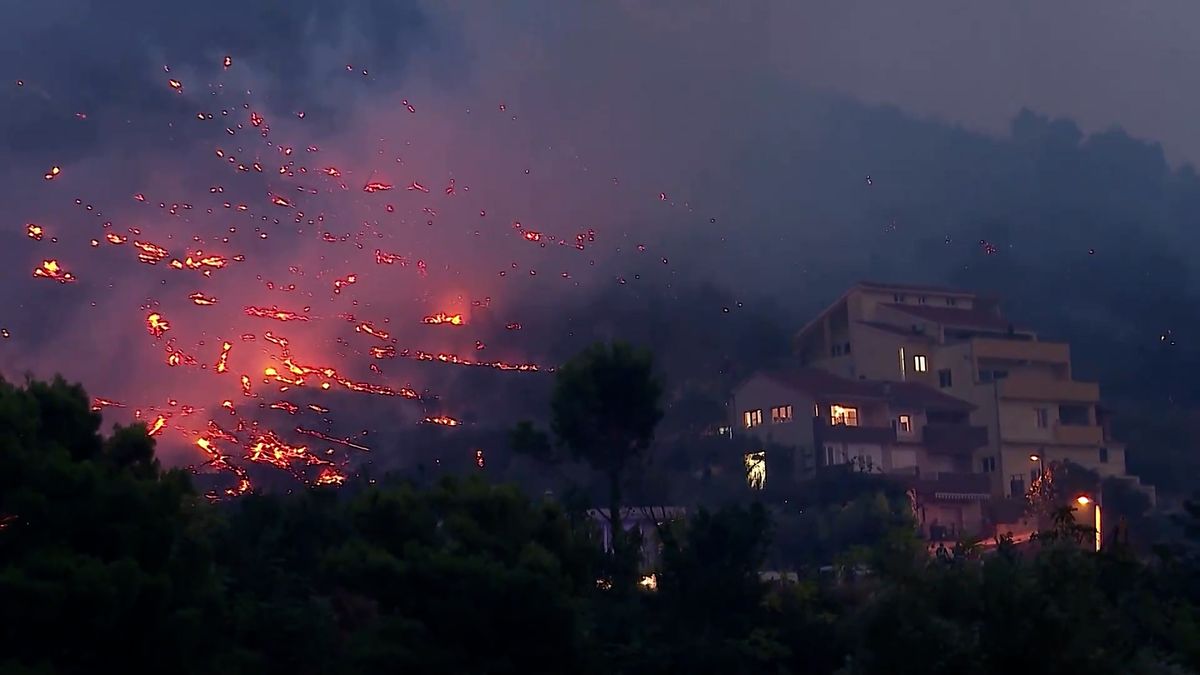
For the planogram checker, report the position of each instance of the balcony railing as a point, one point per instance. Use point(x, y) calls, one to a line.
point(1021, 350)
point(1069, 434)
point(1034, 388)
point(840, 433)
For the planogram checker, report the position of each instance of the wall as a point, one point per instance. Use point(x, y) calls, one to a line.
point(762, 393)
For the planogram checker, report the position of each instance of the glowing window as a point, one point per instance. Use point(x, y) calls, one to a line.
point(904, 424)
point(920, 363)
point(752, 418)
point(781, 414)
point(843, 415)
point(756, 469)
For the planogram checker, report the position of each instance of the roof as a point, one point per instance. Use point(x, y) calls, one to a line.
point(883, 286)
point(880, 286)
point(950, 316)
point(820, 383)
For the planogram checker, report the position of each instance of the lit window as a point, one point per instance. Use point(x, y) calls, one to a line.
point(756, 469)
point(905, 424)
point(901, 353)
point(843, 415)
point(920, 363)
point(816, 410)
point(945, 378)
point(1043, 417)
point(781, 414)
point(752, 418)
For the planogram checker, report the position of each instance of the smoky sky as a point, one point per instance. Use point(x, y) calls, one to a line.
point(767, 153)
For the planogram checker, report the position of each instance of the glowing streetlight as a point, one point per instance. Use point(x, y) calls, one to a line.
point(1084, 500)
point(1035, 458)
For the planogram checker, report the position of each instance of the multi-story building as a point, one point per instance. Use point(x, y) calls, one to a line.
point(1020, 388)
point(909, 431)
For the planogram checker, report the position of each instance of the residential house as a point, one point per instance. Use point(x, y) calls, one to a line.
point(905, 430)
point(1020, 388)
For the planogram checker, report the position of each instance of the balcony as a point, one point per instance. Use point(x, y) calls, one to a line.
point(954, 438)
point(1070, 434)
point(1021, 350)
point(840, 433)
point(946, 486)
point(1040, 388)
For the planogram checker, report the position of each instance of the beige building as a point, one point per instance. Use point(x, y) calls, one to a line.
point(1021, 389)
point(908, 431)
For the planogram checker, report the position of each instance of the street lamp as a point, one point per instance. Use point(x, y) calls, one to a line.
point(1041, 462)
point(1084, 500)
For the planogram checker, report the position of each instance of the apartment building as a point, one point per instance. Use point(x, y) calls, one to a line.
point(1020, 388)
point(908, 431)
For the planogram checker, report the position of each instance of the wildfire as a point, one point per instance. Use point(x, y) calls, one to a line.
point(273, 312)
point(330, 476)
point(34, 232)
point(52, 173)
point(442, 420)
point(159, 424)
point(50, 269)
point(387, 352)
point(222, 365)
point(339, 284)
point(220, 462)
point(99, 404)
point(201, 299)
point(366, 327)
point(376, 186)
point(442, 317)
point(382, 258)
point(157, 325)
point(479, 458)
point(148, 253)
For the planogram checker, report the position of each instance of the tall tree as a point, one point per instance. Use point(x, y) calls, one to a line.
point(605, 406)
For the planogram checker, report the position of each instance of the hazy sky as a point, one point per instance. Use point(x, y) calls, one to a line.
point(667, 128)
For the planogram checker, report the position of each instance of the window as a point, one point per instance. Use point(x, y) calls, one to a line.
point(725, 431)
point(781, 414)
point(922, 299)
point(897, 297)
point(816, 410)
point(901, 353)
point(1016, 485)
point(904, 424)
point(836, 350)
point(752, 418)
point(945, 378)
point(1104, 455)
point(846, 348)
point(1042, 417)
point(989, 464)
point(829, 455)
point(950, 302)
point(843, 415)
point(920, 363)
point(756, 469)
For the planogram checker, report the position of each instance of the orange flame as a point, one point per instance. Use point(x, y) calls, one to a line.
point(442, 317)
point(157, 325)
point(50, 269)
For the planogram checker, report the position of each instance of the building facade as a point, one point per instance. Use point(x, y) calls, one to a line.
point(1019, 388)
point(907, 431)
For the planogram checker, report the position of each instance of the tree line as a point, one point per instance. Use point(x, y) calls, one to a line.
point(108, 559)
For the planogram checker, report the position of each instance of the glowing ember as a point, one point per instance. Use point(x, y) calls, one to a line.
point(99, 404)
point(222, 365)
point(50, 269)
point(442, 317)
point(34, 232)
point(274, 312)
point(376, 186)
point(157, 325)
point(366, 327)
point(159, 423)
point(52, 173)
point(202, 299)
point(330, 476)
point(442, 420)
